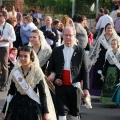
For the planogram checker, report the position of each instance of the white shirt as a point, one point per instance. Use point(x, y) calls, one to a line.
point(59, 40)
point(67, 52)
point(103, 21)
point(49, 41)
point(113, 14)
point(8, 33)
point(30, 26)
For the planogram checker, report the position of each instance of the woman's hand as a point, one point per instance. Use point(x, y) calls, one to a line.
point(46, 116)
point(3, 116)
point(51, 77)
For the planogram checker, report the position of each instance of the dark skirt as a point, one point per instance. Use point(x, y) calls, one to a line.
point(22, 107)
point(96, 81)
point(93, 91)
point(109, 86)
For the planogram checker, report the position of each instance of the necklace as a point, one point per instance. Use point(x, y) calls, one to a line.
point(27, 72)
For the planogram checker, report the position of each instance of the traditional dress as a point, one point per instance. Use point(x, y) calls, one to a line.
point(112, 76)
point(22, 107)
point(44, 52)
point(97, 58)
point(70, 66)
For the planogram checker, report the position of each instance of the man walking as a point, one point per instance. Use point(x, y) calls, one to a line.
point(7, 35)
point(67, 67)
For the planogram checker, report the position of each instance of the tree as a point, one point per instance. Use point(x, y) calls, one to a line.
point(65, 6)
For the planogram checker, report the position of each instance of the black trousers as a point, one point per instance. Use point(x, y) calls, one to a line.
point(4, 65)
point(68, 100)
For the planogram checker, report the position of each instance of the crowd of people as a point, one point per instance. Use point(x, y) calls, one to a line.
point(45, 63)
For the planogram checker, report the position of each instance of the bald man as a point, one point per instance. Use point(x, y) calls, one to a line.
point(67, 67)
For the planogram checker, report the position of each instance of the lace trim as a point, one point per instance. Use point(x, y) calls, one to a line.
point(109, 58)
point(96, 50)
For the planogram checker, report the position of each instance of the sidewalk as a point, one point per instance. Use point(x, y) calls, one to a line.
point(3, 95)
point(2, 100)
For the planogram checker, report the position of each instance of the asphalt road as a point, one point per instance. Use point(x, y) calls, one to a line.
point(100, 112)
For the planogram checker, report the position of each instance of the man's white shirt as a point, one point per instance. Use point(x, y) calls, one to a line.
point(8, 33)
point(103, 21)
point(67, 52)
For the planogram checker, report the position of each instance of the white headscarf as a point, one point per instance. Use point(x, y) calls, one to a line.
point(34, 80)
point(45, 51)
point(94, 54)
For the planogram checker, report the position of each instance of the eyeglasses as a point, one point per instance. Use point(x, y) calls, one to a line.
point(68, 35)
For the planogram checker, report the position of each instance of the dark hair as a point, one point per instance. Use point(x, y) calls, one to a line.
point(118, 14)
point(33, 11)
point(106, 11)
point(36, 21)
point(79, 19)
point(10, 21)
point(25, 14)
point(116, 6)
point(3, 6)
point(101, 10)
point(17, 9)
point(30, 50)
point(83, 16)
point(75, 17)
point(55, 22)
point(107, 25)
point(3, 13)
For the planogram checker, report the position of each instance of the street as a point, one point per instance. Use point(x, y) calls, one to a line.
point(98, 112)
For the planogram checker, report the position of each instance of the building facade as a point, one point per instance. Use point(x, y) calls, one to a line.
point(17, 3)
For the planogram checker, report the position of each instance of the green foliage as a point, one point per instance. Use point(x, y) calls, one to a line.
point(65, 6)
point(106, 4)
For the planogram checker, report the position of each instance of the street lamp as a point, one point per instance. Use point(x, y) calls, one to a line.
point(73, 8)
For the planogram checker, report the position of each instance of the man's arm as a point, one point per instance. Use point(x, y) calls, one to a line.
point(98, 24)
point(11, 37)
